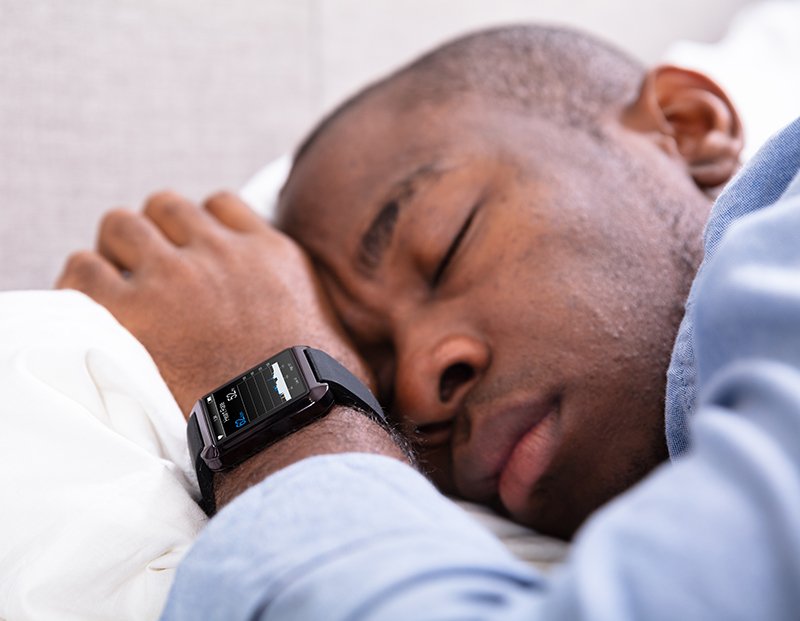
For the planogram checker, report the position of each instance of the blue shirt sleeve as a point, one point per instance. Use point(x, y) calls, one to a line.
point(341, 537)
point(717, 535)
point(758, 185)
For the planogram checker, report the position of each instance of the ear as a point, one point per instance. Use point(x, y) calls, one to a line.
point(690, 117)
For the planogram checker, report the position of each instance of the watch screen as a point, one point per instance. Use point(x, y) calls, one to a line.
point(256, 394)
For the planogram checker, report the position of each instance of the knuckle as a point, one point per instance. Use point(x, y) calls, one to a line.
point(166, 204)
point(221, 198)
point(219, 195)
point(117, 223)
point(81, 270)
point(219, 244)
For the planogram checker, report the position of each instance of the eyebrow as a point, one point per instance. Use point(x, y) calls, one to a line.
point(378, 237)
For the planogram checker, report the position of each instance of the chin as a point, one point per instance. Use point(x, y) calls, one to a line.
point(554, 520)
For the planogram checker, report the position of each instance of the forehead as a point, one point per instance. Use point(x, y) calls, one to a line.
point(379, 151)
point(367, 150)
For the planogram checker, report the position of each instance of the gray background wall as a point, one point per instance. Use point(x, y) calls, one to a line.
point(104, 101)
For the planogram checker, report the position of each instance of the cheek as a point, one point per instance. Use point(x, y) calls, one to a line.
point(537, 307)
point(571, 324)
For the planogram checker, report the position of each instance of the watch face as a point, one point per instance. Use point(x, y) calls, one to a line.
point(254, 395)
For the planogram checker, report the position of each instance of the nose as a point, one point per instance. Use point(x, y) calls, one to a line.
point(436, 367)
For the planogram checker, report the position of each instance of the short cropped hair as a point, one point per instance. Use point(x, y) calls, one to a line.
point(555, 73)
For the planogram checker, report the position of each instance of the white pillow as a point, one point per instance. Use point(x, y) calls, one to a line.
point(261, 191)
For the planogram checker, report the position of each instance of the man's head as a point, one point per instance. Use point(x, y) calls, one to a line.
point(508, 229)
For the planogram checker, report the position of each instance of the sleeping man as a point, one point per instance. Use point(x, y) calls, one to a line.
point(499, 240)
point(507, 231)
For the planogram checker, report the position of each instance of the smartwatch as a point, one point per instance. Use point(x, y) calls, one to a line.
point(267, 403)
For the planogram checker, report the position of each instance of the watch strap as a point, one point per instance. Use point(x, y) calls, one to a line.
point(347, 388)
point(205, 477)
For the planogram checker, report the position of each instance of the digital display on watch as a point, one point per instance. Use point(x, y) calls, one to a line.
point(255, 394)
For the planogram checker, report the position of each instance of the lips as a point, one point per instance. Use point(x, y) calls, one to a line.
point(508, 452)
point(529, 460)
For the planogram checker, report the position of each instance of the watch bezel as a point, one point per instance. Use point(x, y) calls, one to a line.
point(262, 432)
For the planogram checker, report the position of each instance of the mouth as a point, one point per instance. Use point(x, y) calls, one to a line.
point(510, 452)
point(528, 460)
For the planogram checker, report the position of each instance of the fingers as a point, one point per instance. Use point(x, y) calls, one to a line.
point(92, 274)
point(176, 216)
point(182, 222)
point(234, 213)
point(127, 239)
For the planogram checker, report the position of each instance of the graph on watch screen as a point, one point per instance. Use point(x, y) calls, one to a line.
point(255, 394)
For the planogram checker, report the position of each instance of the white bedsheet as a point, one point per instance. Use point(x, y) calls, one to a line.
point(97, 506)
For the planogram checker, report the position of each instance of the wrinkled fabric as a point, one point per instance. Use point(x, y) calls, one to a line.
point(758, 185)
point(99, 494)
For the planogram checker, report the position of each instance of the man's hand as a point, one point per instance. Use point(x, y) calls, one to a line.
point(209, 292)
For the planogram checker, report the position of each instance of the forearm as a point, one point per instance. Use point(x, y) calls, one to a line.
point(342, 430)
point(329, 535)
point(341, 536)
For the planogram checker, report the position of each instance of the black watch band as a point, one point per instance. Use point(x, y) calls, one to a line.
point(345, 388)
point(205, 476)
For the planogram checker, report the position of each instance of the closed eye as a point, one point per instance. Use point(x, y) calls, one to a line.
point(451, 251)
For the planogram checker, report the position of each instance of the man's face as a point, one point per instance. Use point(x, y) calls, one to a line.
point(514, 292)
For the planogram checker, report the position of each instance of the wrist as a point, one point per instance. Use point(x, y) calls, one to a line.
point(264, 420)
point(342, 430)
